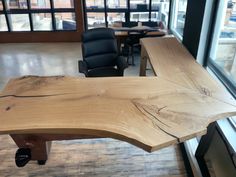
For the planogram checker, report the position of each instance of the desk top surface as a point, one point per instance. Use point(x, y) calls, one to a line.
point(123, 31)
point(141, 28)
point(154, 33)
point(170, 60)
point(149, 112)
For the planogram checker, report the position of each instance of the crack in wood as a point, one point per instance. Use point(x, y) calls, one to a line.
point(158, 112)
point(32, 96)
point(140, 106)
point(44, 77)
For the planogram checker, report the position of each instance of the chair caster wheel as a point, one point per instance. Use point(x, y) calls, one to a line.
point(42, 162)
point(22, 157)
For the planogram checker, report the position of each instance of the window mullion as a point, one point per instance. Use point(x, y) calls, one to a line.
point(53, 15)
point(6, 16)
point(150, 10)
point(105, 9)
point(128, 13)
point(30, 15)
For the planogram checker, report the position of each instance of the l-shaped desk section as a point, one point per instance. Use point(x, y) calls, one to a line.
point(149, 112)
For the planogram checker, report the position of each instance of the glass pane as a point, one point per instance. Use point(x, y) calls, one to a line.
point(42, 21)
point(16, 4)
point(94, 4)
point(65, 21)
point(162, 14)
point(63, 3)
point(43, 4)
point(95, 20)
point(1, 7)
point(141, 5)
point(114, 4)
point(115, 19)
point(223, 50)
point(155, 16)
point(162, 5)
point(139, 16)
point(19, 22)
point(3, 23)
point(180, 12)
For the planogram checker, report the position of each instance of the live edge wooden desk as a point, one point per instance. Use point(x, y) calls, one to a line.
point(148, 112)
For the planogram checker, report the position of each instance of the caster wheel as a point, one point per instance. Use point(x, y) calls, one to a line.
point(42, 162)
point(22, 157)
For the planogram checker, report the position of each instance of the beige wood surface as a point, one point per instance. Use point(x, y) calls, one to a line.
point(149, 112)
point(171, 61)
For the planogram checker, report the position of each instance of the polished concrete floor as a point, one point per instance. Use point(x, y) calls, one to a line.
point(97, 157)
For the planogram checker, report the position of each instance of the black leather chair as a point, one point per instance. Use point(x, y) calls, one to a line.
point(150, 24)
point(132, 41)
point(100, 54)
point(129, 24)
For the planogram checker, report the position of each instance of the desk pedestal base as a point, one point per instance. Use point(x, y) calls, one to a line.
point(40, 144)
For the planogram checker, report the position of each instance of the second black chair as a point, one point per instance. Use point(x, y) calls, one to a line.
point(100, 54)
point(133, 41)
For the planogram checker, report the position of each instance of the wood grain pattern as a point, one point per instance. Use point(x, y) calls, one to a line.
point(170, 60)
point(150, 113)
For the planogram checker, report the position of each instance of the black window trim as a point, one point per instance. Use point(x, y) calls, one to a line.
point(29, 11)
point(221, 76)
point(127, 11)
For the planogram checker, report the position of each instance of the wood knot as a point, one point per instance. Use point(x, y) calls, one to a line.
point(8, 108)
point(205, 91)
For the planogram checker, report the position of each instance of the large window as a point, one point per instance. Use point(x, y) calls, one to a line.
point(37, 15)
point(222, 57)
point(142, 5)
point(111, 13)
point(116, 4)
point(178, 20)
point(223, 48)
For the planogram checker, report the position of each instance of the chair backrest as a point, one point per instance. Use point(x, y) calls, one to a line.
point(129, 24)
point(99, 47)
point(135, 36)
point(150, 24)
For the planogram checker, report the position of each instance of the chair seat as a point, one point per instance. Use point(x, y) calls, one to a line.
point(104, 72)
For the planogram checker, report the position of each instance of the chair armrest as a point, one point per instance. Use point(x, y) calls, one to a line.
point(83, 67)
point(121, 64)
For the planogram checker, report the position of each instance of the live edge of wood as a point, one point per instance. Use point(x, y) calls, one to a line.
point(149, 112)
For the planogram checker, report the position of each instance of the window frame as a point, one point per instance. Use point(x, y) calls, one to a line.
point(209, 62)
point(173, 18)
point(29, 11)
point(127, 11)
point(221, 77)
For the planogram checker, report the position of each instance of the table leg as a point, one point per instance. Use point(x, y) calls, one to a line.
point(39, 147)
point(203, 147)
point(143, 62)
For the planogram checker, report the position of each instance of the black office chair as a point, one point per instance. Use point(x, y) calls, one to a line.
point(150, 24)
point(100, 54)
point(132, 41)
point(129, 24)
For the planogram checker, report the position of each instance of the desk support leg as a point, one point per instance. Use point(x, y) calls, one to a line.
point(143, 64)
point(38, 146)
point(203, 147)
